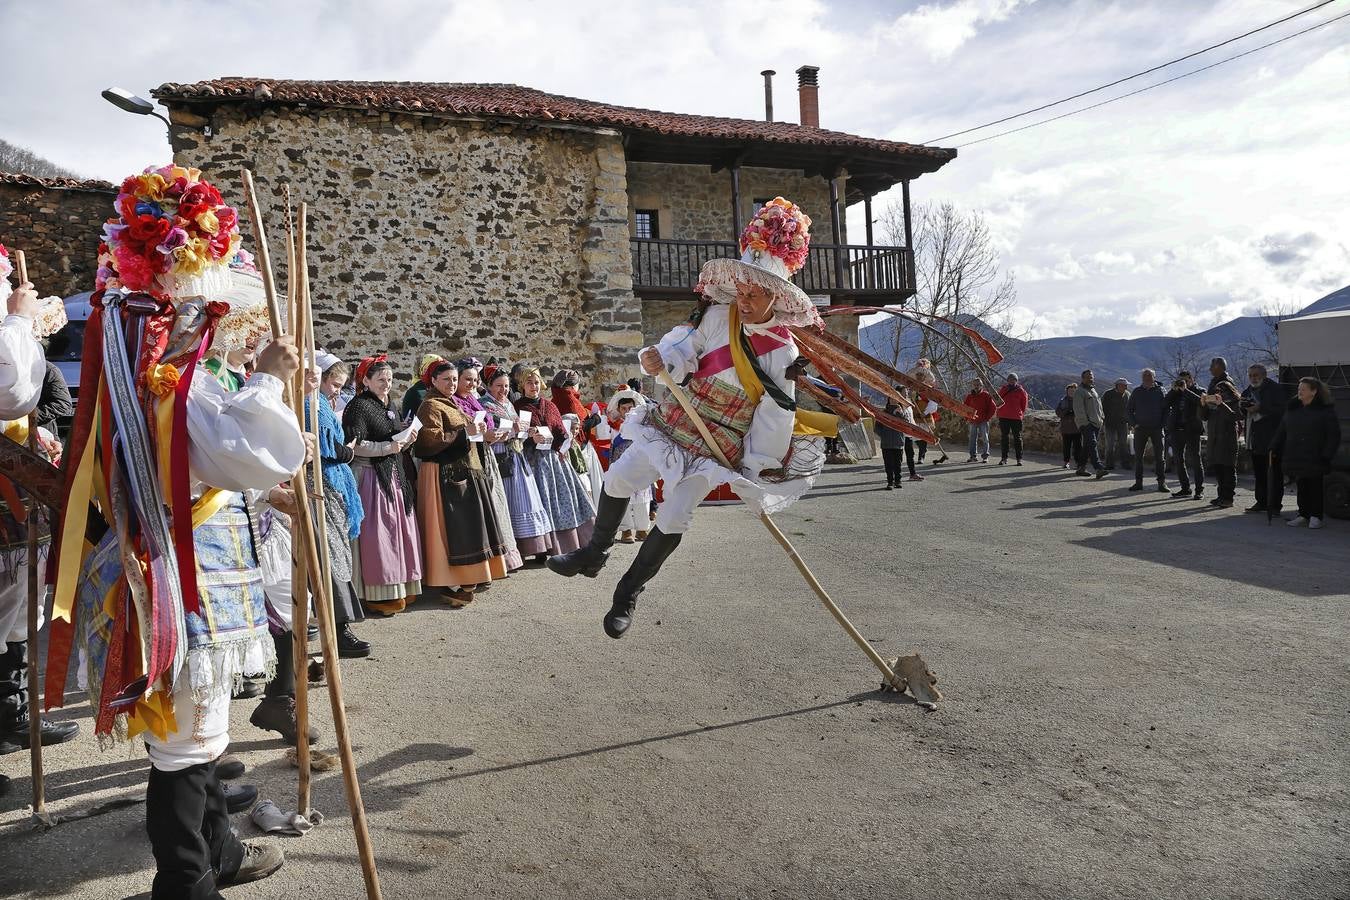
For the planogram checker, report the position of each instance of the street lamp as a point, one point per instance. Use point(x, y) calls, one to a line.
point(125, 100)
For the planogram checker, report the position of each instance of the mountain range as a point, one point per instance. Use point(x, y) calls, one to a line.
point(1046, 364)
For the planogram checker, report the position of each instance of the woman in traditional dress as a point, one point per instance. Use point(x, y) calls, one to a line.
point(386, 561)
point(568, 503)
point(636, 522)
point(342, 507)
point(581, 453)
point(412, 397)
point(531, 523)
point(467, 399)
point(464, 544)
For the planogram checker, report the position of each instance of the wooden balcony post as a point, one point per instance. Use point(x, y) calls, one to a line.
point(838, 227)
point(736, 203)
point(871, 254)
point(908, 274)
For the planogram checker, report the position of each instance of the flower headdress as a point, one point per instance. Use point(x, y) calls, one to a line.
point(774, 247)
point(173, 228)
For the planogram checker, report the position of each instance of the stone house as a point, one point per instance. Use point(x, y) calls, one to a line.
point(58, 223)
point(508, 222)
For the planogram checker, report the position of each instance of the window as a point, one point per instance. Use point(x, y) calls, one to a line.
point(648, 224)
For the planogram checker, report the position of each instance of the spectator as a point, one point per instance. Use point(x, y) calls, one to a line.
point(1220, 411)
point(1306, 440)
point(54, 402)
point(1183, 427)
point(1068, 428)
point(982, 402)
point(1263, 403)
point(1218, 372)
point(1116, 428)
point(1010, 416)
point(1087, 412)
point(1146, 412)
point(1193, 459)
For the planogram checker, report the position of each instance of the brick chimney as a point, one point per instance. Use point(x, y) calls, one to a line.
point(808, 94)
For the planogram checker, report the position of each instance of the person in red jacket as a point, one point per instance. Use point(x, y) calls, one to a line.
point(982, 402)
point(1010, 416)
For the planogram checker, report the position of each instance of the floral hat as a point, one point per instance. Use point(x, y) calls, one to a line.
point(175, 239)
point(774, 246)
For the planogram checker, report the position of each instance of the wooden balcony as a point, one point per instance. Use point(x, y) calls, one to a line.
point(847, 273)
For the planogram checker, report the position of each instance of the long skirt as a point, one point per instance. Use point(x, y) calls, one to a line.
point(462, 540)
point(503, 510)
point(386, 559)
point(568, 504)
point(530, 521)
point(345, 606)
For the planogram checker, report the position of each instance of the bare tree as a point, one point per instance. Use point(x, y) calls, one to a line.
point(1264, 347)
point(1185, 356)
point(958, 274)
point(23, 161)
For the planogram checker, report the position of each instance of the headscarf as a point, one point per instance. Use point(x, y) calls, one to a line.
point(470, 405)
point(565, 397)
point(364, 366)
point(424, 367)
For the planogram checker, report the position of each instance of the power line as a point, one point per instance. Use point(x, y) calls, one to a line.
point(1135, 75)
point(1152, 86)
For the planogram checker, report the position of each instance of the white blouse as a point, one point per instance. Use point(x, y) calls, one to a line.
point(246, 440)
point(22, 367)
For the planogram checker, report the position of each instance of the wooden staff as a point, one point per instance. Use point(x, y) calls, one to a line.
point(299, 565)
point(307, 541)
point(34, 705)
point(316, 475)
point(886, 672)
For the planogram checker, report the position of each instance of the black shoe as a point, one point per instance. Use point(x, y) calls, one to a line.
point(239, 797)
point(229, 767)
point(4, 785)
point(1161, 488)
point(1224, 504)
point(1137, 486)
point(655, 550)
point(1199, 494)
point(260, 860)
point(278, 714)
point(1003, 461)
point(940, 460)
point(16, 736)
point(1256, 507)
point(890, 486)
point(589, 560)
point(1216, 502)
point(1184, 492)
point(349, 645)
point(312, 633)
point(1019, 462)
point(1101, 473)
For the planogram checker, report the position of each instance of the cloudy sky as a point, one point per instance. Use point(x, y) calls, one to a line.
point(1161, 214)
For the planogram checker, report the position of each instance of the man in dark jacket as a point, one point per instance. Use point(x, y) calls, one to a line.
point(1146, 411)
point(1116, 425)
point(1263, 403)
point(1182, 420)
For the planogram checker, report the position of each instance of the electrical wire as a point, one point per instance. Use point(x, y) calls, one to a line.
point(1135, 75)
point(1152, 86)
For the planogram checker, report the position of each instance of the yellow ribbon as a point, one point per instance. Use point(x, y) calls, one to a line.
point(805, 422)
point(74, 521)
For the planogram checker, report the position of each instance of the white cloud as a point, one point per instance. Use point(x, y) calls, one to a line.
point(940, 29)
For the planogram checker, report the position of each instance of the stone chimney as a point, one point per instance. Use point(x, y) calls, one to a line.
point(808, 94)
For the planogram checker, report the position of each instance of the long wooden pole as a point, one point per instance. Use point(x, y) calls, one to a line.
point(34, 704)
point(834, 610)
point(364, 849)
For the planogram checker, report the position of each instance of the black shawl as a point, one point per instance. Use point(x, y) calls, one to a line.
point(367, 419)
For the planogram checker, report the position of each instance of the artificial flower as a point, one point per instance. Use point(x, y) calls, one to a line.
point(192, 258)
point(207, 221)
point(146, 231)
point(133, 270)
point(162, 379)
point(176, 238)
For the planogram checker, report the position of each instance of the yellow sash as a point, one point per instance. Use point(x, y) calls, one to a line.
point(806, 422)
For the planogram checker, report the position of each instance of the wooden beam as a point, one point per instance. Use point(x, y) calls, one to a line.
point(736, 203)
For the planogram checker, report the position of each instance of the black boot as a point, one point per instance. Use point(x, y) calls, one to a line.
point(14, 733)
point(655, 550)
point(176, 822)
point(589, 560)
point(349, 645)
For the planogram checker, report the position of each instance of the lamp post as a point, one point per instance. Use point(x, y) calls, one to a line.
point(125, 100)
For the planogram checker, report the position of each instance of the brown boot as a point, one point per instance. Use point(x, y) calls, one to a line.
point(278, 714)
point(385, 608)
point(626, 537)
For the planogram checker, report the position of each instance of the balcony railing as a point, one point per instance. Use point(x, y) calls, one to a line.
point(852, 271)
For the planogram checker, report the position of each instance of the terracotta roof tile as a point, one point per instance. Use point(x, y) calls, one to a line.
point(510, 101)
point(73, 184)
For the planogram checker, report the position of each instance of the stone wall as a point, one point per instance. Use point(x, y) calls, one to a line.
point(58, 224)
point(693, 203)
point(429, 234)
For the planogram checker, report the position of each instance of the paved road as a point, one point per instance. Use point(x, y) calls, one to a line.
point(1145, 698)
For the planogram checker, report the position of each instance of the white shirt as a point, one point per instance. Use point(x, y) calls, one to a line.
point(248, 440)
point(22, 367)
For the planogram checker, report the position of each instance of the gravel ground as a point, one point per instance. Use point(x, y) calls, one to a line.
point(1144, 698)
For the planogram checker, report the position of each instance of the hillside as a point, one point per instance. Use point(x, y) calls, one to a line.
point(1045, 365)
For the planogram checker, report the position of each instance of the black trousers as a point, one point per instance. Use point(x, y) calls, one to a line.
point(1073, 448)
point(1142, 437)
point(1311, 500)
point(189, 828)
point(1263, 471)
point(891, 457)
point(1226, 478)
point(1186, 453)
point(1010, 429)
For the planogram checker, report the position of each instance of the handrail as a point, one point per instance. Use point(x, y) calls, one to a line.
point(665, 264)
